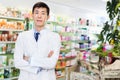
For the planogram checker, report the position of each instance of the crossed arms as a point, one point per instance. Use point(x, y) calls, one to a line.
point(22, 63)
point(27, 58)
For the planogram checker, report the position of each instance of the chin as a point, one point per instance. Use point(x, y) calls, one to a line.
point(40, 25)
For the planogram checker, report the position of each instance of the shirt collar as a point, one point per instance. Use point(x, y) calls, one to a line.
point(41, 32)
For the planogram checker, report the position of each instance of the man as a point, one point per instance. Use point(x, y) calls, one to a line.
point(37, 50)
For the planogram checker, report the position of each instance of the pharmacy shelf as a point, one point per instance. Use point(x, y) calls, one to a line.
point(75, 41)
point(59, 68)
point(65, 50)
point(67, 58)
point(81, 49)
point(12, 30)
point(62, 59)
point(61, 24)
point(56, 23)
point(66, 41)
point(72, 57)
point(67, 33)
point(60, 76)
point(10, 78)
point(9, 54)
point(52, 22)
point(81, 41)
point(2, 52)
point(7, 42)
point(6, 67)
point(12, 18)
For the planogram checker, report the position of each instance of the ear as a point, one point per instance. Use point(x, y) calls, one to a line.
point(48, 17)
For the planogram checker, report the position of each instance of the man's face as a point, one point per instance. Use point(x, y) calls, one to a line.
point(40, 17)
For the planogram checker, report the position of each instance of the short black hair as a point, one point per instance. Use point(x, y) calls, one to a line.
point(41, 5)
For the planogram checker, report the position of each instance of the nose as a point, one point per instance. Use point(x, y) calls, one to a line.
point(39, 16)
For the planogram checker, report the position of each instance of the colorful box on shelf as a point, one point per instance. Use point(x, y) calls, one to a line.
point(65, 50)
point(7, 74)
point(9, 12)
point(85, 55)
point(70, 62)
point(70, 57)
point(61, 76)
point(7, 48)
point(62, 56)
point(60, 73)
point(8, 36)
point(4, 24)
point(82, 46)
point(3, 48)
point(71, 54)
point(1, 74)
point(3, 60)
point(65, 38)
point(81, 38)
point(60, 65)
point(12, 18)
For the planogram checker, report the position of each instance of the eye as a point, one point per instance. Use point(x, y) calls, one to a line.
point(43, 13)
point(36, 12)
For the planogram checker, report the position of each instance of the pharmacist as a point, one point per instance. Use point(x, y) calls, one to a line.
point(37, 50)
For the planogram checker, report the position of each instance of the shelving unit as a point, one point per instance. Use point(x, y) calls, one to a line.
point(60, 68)
point(70, 40)
point(7, 42)
point(4, 67)
point(10, 27)
point(66, 53)
point(61, 64)
point(11, 78)
point(85, 66)
point(12, 18)
point(60, 76)
point(12, 30)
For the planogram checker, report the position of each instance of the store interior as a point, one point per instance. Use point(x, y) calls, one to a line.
point(89, 31)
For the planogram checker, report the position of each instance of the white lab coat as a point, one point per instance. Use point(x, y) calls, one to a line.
point(38, 52)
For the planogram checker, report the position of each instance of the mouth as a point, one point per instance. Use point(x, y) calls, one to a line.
point(39, 20)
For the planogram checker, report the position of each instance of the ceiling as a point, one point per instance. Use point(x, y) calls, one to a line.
point(63, 7)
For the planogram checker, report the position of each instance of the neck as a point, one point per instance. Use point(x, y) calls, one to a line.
point(38, 28)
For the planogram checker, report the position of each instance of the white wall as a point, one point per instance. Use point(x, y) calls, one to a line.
point(73, 8)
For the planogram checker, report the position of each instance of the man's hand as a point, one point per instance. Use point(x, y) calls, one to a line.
point(26, 58)
point(50, 54)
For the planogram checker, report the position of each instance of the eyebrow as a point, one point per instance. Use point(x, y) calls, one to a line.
point(38, 11)
point(43, 11)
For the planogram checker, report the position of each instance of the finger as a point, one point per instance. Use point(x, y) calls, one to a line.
point(51, 53)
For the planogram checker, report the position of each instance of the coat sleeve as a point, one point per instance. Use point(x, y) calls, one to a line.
point(48, 63)
point(18, 57)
